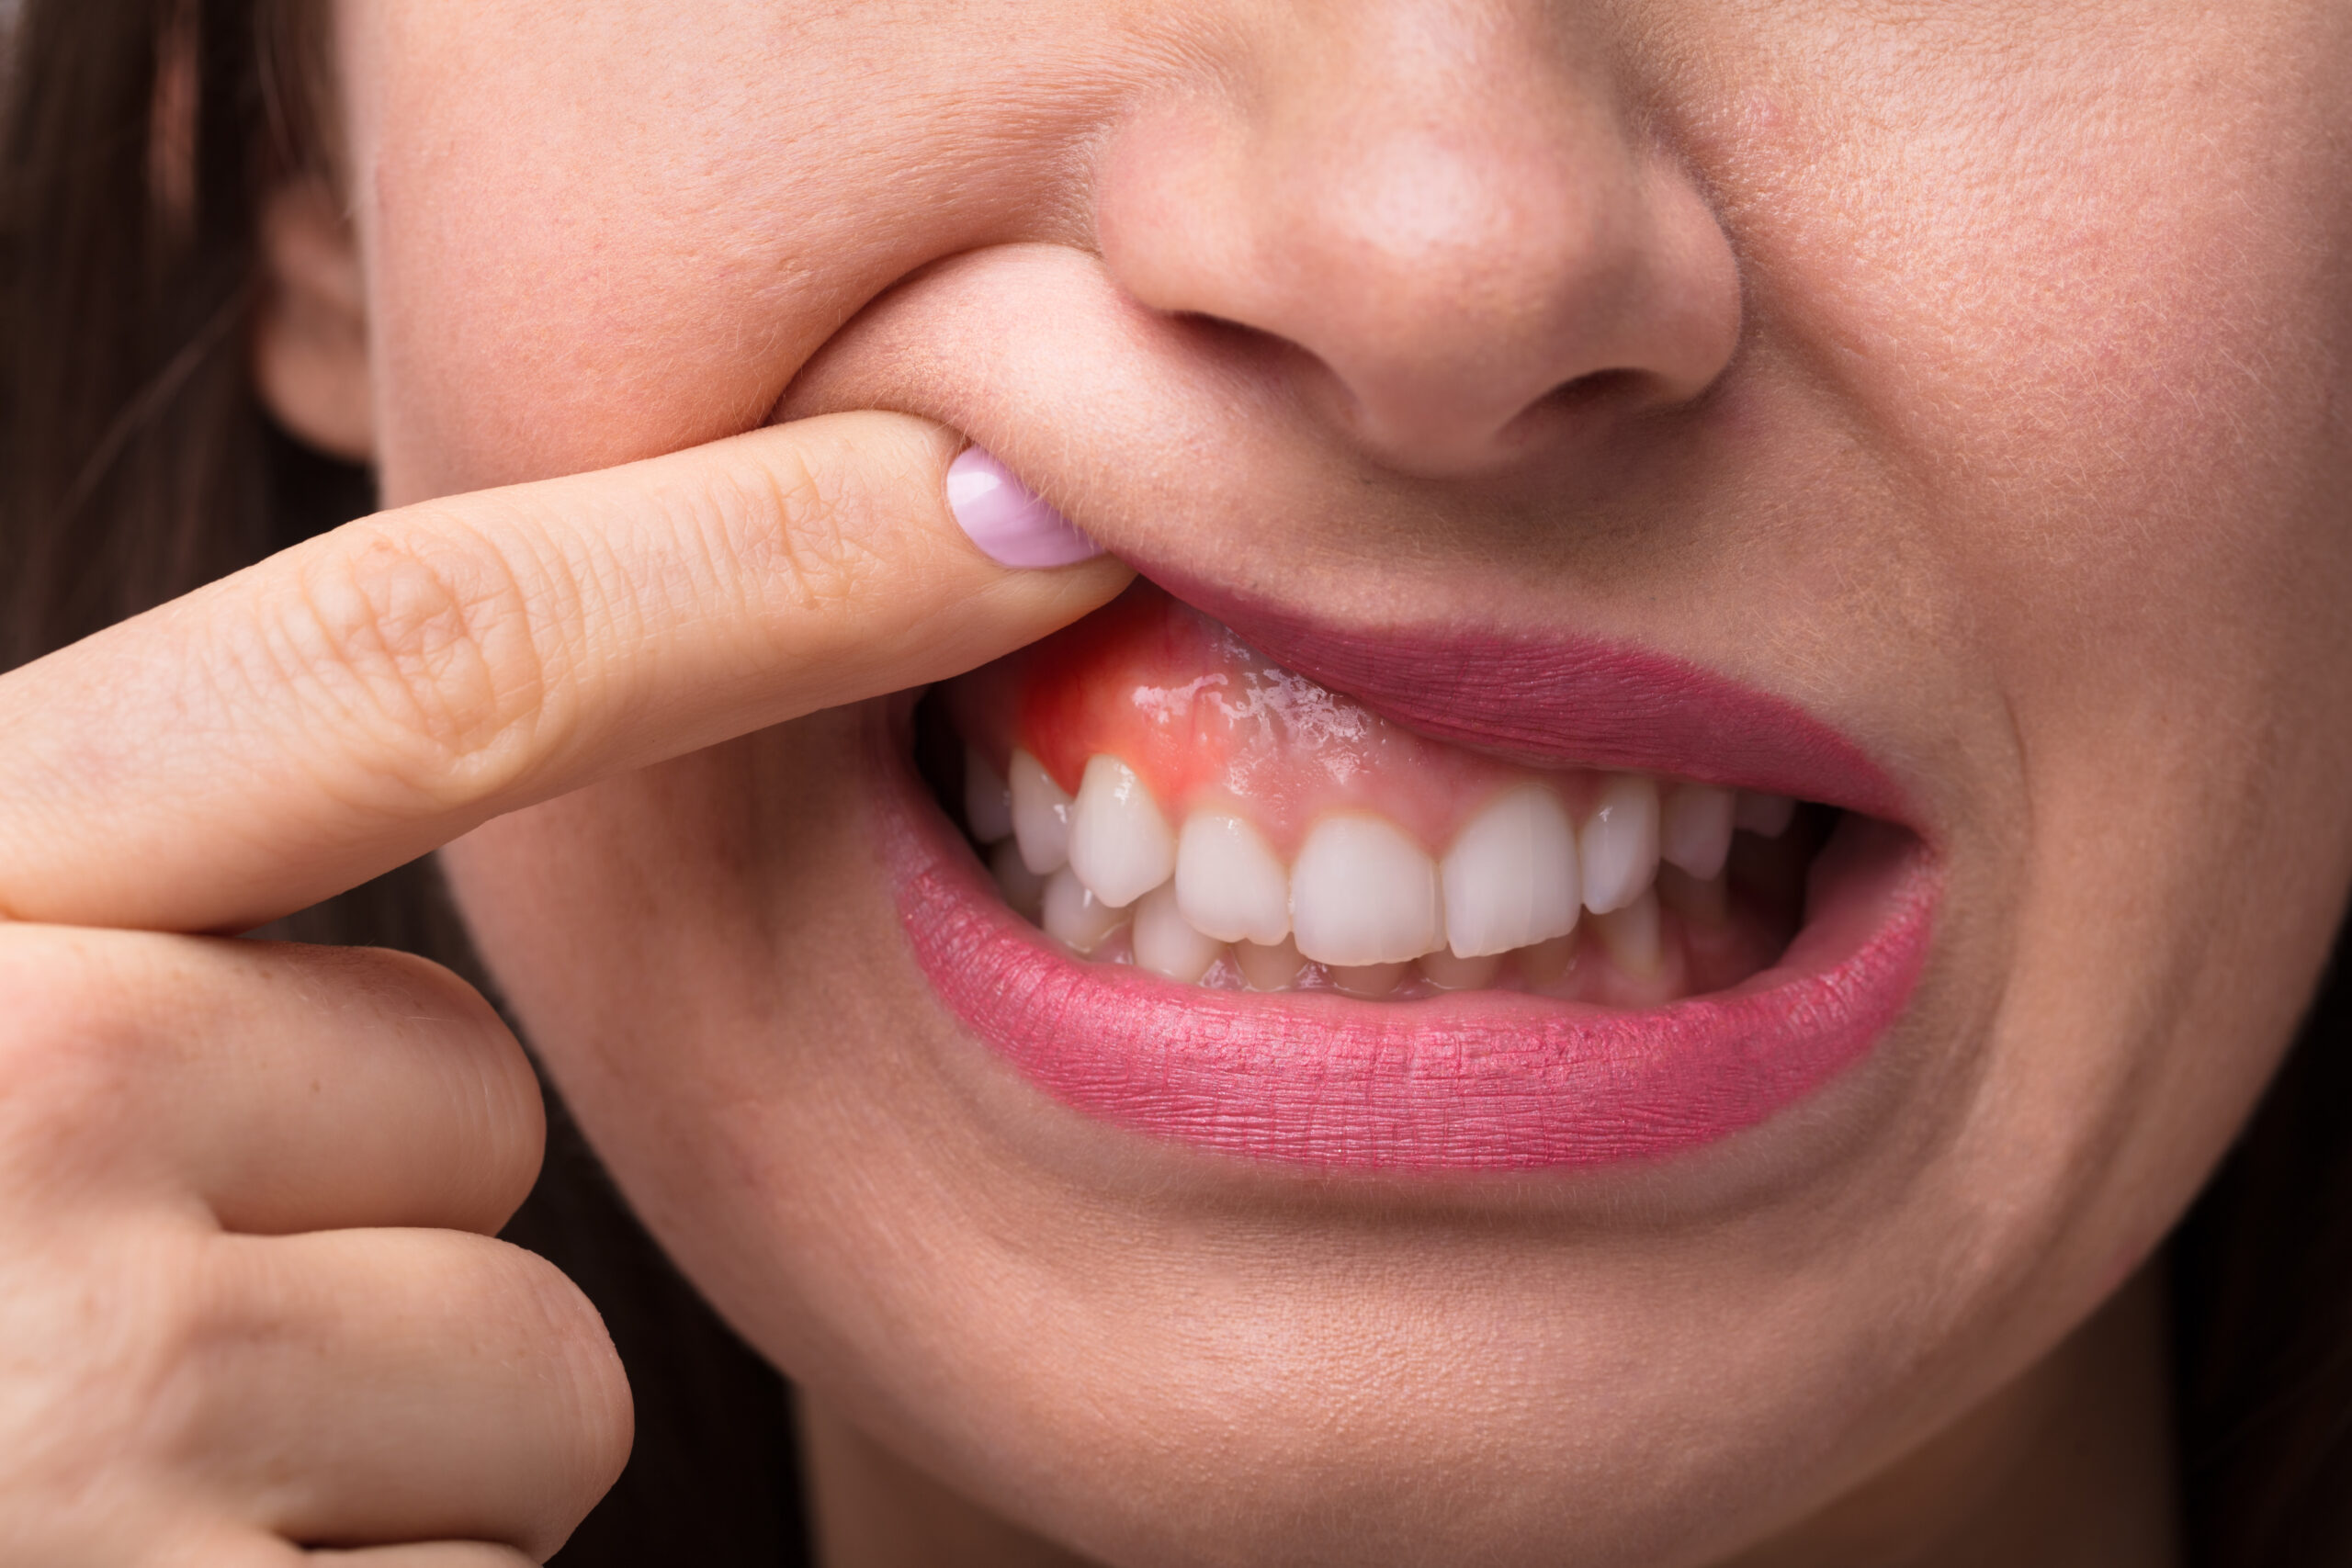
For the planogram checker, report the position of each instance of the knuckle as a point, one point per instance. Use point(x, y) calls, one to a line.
point(815, 541)
point(421, 639)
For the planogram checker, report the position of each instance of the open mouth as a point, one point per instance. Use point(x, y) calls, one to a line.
point(1197, 893)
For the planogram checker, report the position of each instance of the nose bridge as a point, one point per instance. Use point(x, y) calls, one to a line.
point(1442, 203)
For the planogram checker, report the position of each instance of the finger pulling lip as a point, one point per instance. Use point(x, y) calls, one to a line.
point(1475, 1081)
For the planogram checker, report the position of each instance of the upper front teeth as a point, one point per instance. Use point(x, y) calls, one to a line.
point(1510, 878)
point(1119, 843)
point(1229, 882)
point(1362, 892)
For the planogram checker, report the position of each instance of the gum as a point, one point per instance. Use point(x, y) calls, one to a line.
point(1207, 721)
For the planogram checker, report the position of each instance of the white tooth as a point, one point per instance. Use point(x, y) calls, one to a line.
point(1022, 888)
point(1166, 943)
point(1694, 829)
point(1370, 981)
point(1547, 963)
point(1268, 969)
point(1040, 816)
point(1620, 843)
point(1075, 915)
point(1119, 843)
point(987, 799)
point(1765, 816)
point(1631, 935)
point(1228, 881)
point(1447, 973)
point(1362, 893)
point(1510, 877)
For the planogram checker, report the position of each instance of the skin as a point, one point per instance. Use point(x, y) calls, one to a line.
point(1973, 376)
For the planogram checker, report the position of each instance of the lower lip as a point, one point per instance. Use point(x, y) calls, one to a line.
point(1475, 1081)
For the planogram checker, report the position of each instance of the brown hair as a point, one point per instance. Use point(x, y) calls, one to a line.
point(140, 138)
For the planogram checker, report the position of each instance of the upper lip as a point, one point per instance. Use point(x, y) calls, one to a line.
point(1556, 701)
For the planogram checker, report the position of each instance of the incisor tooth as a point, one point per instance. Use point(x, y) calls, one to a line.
point(1765, 816)
point(1022, 888)
point(1166, 943)
point(1228, 881)
point(1369, 981)
point(1271, 968)
point(1694, 829)
point(1631, 935)
point(987, 799)
point(1363, 893)
point(1075, 915)
point(1510, 877)
point(1619, 845)
point(1040, 816)
point(1447, 973)
point(1119, 843)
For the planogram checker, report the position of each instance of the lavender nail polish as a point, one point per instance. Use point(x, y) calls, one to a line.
point(1006, 519)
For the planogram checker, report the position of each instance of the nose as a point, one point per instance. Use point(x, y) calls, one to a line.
point(1441, 210)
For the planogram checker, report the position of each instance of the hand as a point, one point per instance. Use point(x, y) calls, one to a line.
point(250, 1307)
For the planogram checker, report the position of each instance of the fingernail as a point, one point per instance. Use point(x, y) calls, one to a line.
point(1007, 520)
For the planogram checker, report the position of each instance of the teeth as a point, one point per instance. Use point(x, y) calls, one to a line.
point(1166, 943)
point(1229, 882)
point(1765, 816)
point(987, 799)
point(1510, 877)
point(1268, 969)
point(1631, 935)
point(1022, 888)
point(1119, 843)
point(1074, 914)
point(1447, 973)
point(1694, 829)
point(1369, 981)
point(1620, 845)
point(1363, 893)
point(1040, 816)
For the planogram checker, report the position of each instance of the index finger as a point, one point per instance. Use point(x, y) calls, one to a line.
point(357, 701)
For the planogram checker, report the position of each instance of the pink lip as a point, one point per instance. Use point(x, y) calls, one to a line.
point(1563, 701)
point(1480, 1082)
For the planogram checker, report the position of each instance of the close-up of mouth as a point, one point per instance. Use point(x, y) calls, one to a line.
point(1206, 896)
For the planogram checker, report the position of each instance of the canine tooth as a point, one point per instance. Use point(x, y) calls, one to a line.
point(1040, 815)
point(1119, 843)
point(987, 799)
point(1274, 968)
point(1765, 816)
point(1022, 888)
point(1619, 845)
point(1074, 914)
point(1631, 935)
point(1369, 981)
point(1228, 881)
point(1166, 943)
point(1363, 893)
point(1694, 829)
point(1447, 973)
point(1510, 877)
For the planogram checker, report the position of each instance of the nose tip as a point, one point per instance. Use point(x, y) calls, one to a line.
point(1457, 265)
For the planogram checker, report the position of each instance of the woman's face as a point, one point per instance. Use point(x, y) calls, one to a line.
point(1969, 380)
